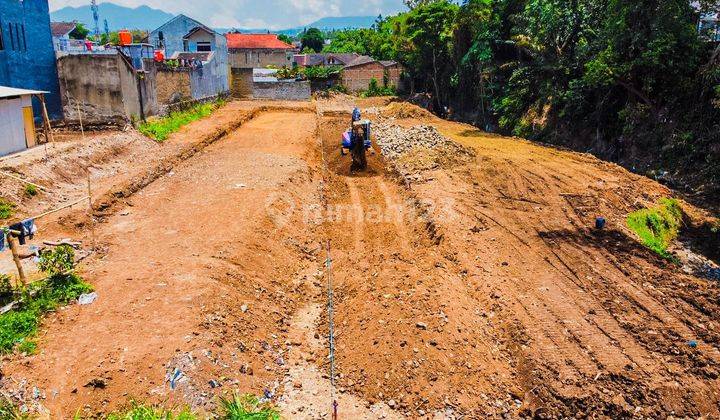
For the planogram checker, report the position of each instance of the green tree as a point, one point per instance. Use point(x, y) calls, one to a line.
point(313, 39)
point(80, 31)
point(285, 38)
point(430, 30)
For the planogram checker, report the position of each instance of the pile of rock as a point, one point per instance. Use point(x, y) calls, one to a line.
point(419, 148)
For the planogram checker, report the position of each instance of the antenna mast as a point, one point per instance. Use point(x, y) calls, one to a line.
point(96, 18)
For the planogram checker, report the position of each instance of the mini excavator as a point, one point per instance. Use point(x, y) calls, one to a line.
point(357, 141)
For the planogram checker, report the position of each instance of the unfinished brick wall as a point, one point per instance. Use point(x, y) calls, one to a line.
point(241, 82)
point(173, 84)
point(282, 90)
point(260, 58)
point(358, 78)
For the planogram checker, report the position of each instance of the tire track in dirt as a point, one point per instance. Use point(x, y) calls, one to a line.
point(393, 309)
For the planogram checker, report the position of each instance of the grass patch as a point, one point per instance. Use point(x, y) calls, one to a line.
point(138, 411)
point(237, 407)
point(246, 407)
point(6, 209)
point(9, 411)
point(18, 326)
point(658, 226)
point(161, 128)
point(31, 190)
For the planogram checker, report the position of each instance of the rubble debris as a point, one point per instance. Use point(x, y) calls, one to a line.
point(418, 149)
point(87, 298)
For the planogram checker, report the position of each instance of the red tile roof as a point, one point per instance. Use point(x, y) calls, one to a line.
point(256, 42)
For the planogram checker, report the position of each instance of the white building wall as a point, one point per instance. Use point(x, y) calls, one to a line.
point(13, 126)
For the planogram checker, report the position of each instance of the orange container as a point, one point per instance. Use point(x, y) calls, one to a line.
point(125, 37)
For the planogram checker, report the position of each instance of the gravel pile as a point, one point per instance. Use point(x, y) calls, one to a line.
point(419, 148)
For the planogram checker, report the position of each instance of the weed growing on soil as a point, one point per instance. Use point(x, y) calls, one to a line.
point(9, 411)
point(138, 411)
point(238, 407)
point(63, 286)
point(657, 227)
point(6, 209)
point(31, 190)
point(161, 128)
point(247, 407)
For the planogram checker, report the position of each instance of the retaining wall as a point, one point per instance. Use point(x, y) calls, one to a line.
point(105, 87)
point(282, 90)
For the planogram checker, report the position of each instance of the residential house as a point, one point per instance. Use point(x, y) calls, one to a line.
point(16, 119)
point(258, 51)
point(27, 57)
point(249, 51)
point(203, 57)
point(185, 34)
point(61, 34)
point(324, 59)
point(358, 74)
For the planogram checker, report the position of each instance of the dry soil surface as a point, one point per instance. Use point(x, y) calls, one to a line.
point(471, 288)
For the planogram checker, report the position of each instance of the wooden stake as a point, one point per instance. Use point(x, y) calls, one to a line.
point(24, 181)
point(90, 210)
point(16, 257)
point(82, 131)
point(46, 122)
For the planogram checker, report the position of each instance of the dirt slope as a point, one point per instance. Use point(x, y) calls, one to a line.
point(494, 295)
point(183, 259)
point(474, 288)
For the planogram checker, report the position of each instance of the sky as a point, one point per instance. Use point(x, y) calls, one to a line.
point(272, 14)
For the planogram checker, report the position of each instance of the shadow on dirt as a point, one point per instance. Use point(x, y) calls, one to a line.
point(704, 239)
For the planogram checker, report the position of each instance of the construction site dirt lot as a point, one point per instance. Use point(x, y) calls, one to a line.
point(469, 280)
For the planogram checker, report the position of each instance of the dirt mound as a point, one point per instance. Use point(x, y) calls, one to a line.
point(418, 149)
point(402, 110)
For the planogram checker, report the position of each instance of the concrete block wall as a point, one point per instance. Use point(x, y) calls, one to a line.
point(105, 87)
point(173, 85)
point(282, 90)
point(211, 80)
point(241, 82)
point(259, 58)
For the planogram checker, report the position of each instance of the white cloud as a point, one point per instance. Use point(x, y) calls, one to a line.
point(274, 14)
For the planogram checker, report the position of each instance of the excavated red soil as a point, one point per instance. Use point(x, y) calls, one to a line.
point(480, 289)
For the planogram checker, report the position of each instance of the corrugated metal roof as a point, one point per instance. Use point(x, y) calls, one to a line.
point(256, 41)
point(62, 28)
point(6, 92)
point(363, 59)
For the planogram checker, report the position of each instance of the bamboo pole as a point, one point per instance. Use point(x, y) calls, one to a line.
point(58, 209)
point(90, 210)
point(82, 131)
point(40, 187)
point(16, 257)
point(46, 122)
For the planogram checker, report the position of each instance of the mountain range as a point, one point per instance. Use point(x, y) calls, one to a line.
point(144, 17)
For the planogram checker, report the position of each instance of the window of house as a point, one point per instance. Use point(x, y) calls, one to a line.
point(17, 38)
point(24, 40)
point(204, 47)
point(161, 40)
point(2, 44)
point(12, 36)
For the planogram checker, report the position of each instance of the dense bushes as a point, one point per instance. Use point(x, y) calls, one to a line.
point(632, 81)
point(62, 286)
